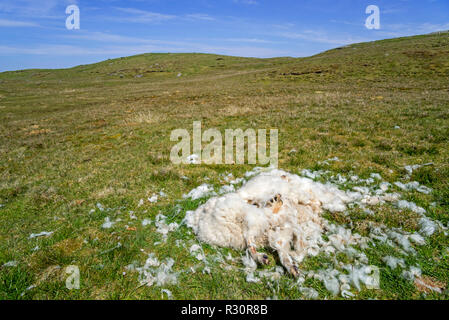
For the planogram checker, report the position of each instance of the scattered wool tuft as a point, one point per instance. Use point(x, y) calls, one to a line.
point(412, 168)
point(237, 181)
point(141, 202)
point(274, 275)
point(226, 177)
point(358, 275)
point(417, 238)
point(199, 192)
point(309, 293)
point(226, 189)
point(376, 176)
point(393, 262)
point(248, 262)
point(339, 179)
point(107, 223)
point(250, 277)
point(402, 239)
point(312, 174)
point(337, 282)
point(347, 294)
point(168, 293)
point(330, 280)
point(157, 273)
point(119, 245)
point(42, 234)
point(412, 273)
point(414, 185)
point(12, 263)
point(384, 186)
point(404, 204)
point(179, 243)
point(197, 252)
point(162, 194)
point(252, 173)
point(164, 228)
point(28, 289)
point(368, 181)
point(153, 198)
point(206, 270)
point(427, 226)
point(334, 159)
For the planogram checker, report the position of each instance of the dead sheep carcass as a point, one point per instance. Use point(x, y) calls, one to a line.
point(274, 210)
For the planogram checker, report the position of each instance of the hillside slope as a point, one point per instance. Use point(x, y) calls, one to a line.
point(83, 145)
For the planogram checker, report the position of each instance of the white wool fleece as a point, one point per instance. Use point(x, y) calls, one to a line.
point(220, 221)
point(274, 209)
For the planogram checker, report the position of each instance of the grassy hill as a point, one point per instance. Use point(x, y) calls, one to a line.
point(71, 139)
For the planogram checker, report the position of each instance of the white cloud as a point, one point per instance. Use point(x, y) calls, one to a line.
point(407, 29)
point(29, 7)
point(245, 51)
point(248, 2)
point(247, 40)
point(321, 37)
point(15, 23)
point(126, 50)
point(142, 16)
point(119, 39)
point(200, 16)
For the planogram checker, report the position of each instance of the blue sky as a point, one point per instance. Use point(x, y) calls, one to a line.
point(33, 32)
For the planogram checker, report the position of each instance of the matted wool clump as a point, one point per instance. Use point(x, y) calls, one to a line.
point(276, 210)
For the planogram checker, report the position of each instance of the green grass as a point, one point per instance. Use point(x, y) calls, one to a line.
point(72, 138)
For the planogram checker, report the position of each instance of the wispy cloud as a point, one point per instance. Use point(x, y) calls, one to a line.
point(406, 29)
point(247, 40)
point(109, 51)
point(142, 16)
point(320, 37)
point(192, 44)
point(33, 8)
point(15, 23)
point(248, 2)
point(431, 27)
point(60, 50)
point(120, 39)
point(200, 16)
